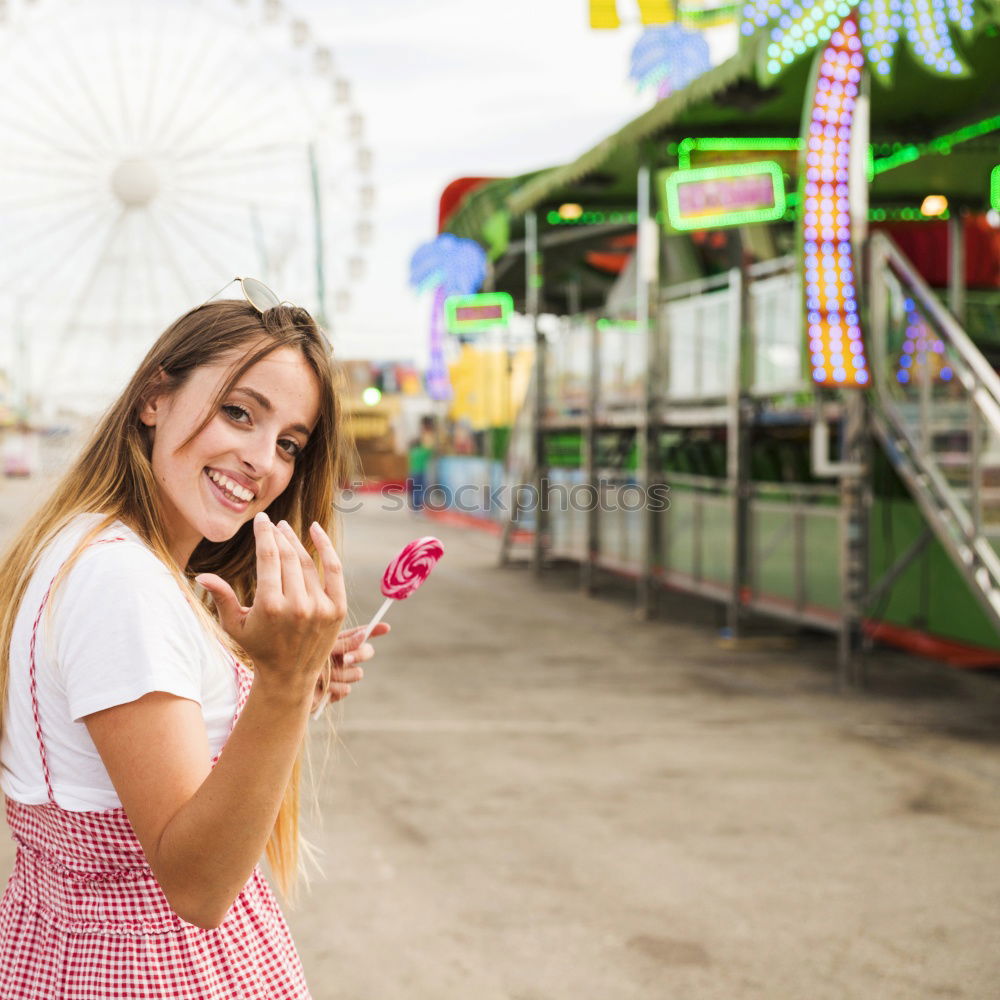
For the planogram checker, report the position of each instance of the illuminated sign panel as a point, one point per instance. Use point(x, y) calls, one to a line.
point(477, 313)
point(732, 195)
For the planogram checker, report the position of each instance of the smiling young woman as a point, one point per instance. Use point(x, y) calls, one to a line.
point(168, 618)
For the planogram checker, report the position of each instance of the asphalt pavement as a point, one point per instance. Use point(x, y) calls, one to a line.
point(534, 796)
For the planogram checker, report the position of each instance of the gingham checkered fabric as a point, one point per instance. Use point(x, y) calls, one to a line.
point(83, 918)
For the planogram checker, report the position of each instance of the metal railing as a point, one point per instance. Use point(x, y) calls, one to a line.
point(937, 411)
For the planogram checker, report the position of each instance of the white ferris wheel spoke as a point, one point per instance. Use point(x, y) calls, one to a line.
point(159, 33)
point(83, 219)
point(128, 127)
point(170, 255)
point(152, 75)
point(265, 91)
point(65, 339)
point(211, 204)
point(192, 242)
point(151, 283)
point(13, 204)
point(160, 134)
point(50, 269)
point(213, 198)
point(86, 89)
point(216, 224)
point(122, 282)
point(46, 140)
point(37, 84)
point(33, 157)
point(279, 147)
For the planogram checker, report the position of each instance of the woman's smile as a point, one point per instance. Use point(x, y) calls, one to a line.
point(229, 492)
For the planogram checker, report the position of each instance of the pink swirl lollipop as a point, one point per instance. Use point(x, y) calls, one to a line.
point(411, 567)
point(402, 576)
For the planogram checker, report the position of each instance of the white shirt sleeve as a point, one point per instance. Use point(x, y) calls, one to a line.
point(122, 628)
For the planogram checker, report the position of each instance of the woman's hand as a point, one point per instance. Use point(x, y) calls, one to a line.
point(291, 629)
point(348, 652)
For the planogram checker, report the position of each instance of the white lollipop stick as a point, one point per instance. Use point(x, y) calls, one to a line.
point(379, 615)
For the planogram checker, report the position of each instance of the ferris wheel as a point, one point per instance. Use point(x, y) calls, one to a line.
point(150, 150)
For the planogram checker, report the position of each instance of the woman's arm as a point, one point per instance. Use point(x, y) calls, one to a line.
point(203, 830)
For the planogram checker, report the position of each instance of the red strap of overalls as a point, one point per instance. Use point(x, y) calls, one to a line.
point(33, 684)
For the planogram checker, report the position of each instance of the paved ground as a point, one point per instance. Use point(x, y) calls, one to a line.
point(534, 797)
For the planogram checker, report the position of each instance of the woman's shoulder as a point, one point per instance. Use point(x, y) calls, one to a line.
point(116, 578)
point(113, 558)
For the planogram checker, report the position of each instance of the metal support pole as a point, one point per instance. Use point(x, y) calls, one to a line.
point(533, 292)
point(855, 500)
point(589, 568)
point(318, 242)
point(738, 448)
point(647, 282)
point(956, 266)
point(975, 464)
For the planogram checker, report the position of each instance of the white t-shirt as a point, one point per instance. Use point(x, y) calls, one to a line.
point(120, 628)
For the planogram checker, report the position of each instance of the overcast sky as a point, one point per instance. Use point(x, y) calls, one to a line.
point(453, 88)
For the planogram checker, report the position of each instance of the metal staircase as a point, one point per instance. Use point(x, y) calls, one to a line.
point(936, 410)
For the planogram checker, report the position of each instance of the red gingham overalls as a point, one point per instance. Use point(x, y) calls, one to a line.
point(83, 917)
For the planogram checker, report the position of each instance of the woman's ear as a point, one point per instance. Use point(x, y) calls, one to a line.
point(150, 409)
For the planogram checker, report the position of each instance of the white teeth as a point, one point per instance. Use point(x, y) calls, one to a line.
point(233, 489)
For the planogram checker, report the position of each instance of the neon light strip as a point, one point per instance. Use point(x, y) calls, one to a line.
point(995, 188)
point(553, 218)
point(688, 146)
point(942, 144)
point(619, 324)
point(835, 342)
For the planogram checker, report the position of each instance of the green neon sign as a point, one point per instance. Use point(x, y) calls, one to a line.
point(995, 188)
point(734, 195)
point(477, 313)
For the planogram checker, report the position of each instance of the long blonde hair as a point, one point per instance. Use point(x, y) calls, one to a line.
point(113, 476)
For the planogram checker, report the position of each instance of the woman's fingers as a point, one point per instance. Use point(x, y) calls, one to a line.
point(333, 572)
point(346, 675)
point(231, 612)
point(337, 692)
point(359, 654)
point(351, 638)
point(310, 575)
point(292, 584)
point(268, 557)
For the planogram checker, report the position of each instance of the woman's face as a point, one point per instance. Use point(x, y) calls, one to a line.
point(245, 455)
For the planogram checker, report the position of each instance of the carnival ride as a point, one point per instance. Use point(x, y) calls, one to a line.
point(152, 149)
point(709, 353)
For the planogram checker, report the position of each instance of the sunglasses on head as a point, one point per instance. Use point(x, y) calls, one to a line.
point(262, 298)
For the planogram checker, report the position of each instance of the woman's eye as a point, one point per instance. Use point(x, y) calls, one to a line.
point(295, 449)
point(230, 407)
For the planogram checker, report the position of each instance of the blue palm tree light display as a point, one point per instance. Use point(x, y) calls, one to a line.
point(449, 265)
point(668, 58)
